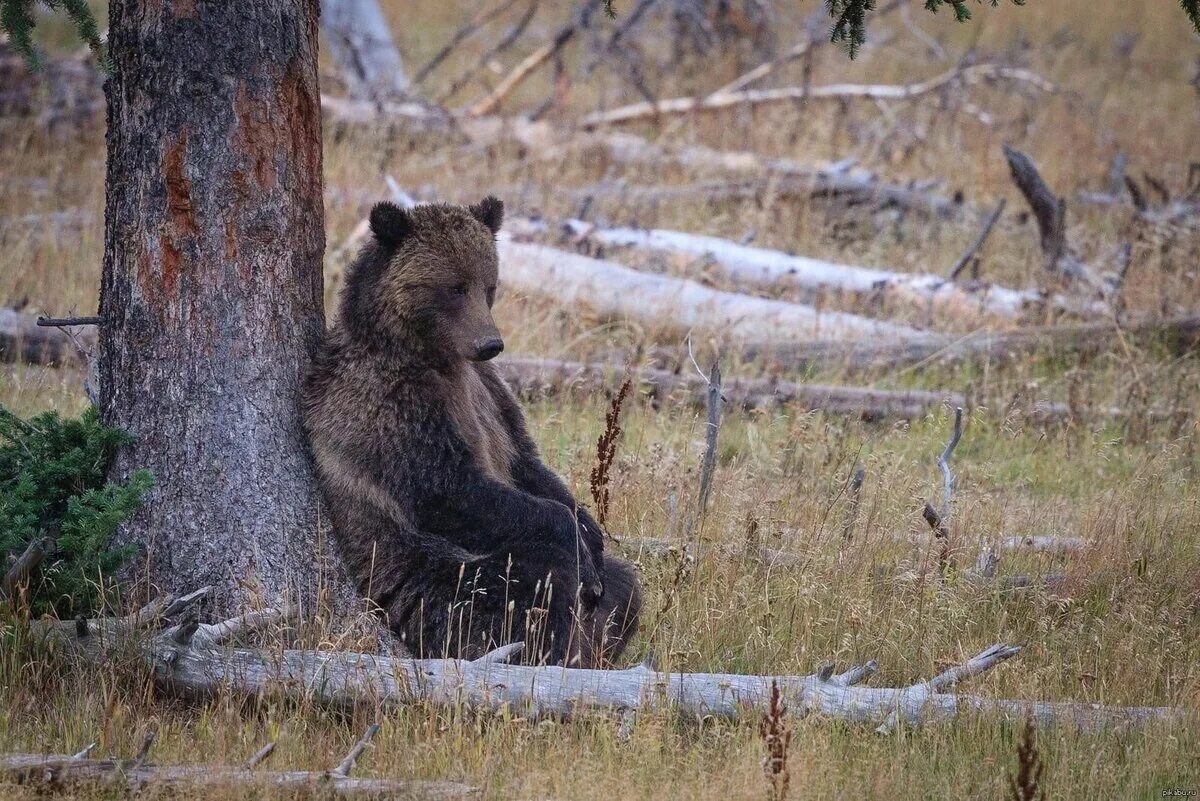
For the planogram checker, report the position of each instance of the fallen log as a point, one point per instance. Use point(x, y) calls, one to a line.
point(58, 771)
point(789, 94)
point(341, 680)
point(533, 377)
point(761, 268)
point(615, 291)
point(1180, 336)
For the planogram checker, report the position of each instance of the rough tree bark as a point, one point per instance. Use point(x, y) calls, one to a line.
point(211, 296)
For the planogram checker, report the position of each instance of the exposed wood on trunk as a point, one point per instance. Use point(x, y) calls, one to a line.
point(531, 377)
point(60, 771)
point(358, 38)
point(212, 289)
point(661, 301)
point(342, 679)
point(761, 268)
point(841, 91)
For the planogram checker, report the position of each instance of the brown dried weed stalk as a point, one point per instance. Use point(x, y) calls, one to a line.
point(606, 452)
point(1025, 785)
point(777, 738)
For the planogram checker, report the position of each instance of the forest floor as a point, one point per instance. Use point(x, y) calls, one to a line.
point(1122, 628)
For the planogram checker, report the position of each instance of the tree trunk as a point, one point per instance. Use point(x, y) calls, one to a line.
point(361, 45)
point(212, 289)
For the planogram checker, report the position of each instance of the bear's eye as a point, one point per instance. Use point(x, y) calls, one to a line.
point(491, 295)
point(461, 289)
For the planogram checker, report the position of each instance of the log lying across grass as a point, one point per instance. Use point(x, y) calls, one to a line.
point(1179, 336)
point(533, 377)
point(613, 290)
point(62, 770)
point(343, 680)
point(761, 268)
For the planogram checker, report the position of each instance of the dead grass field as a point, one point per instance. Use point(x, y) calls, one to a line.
point(1122, 629)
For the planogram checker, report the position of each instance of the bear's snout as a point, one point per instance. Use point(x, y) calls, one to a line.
point(488, 348)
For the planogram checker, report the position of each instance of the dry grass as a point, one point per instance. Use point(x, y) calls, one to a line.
point(1123, 629)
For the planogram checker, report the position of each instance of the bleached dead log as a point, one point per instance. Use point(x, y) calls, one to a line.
point(761, 268)
point(54, 770)
point(532, 377)
point(658, 300)
point(342, 680)
point(841, 91)
point(358, 39)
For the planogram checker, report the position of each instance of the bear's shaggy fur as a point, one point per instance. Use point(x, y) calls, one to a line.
point(441, 507)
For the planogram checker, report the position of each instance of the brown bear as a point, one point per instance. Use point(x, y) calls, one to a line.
point(442, 510)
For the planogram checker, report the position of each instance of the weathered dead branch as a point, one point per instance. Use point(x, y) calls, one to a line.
point(1050, 212)
point(344, 679)
point(23, 340)
point(528, 66)
point(687, 105)
point(23, 566)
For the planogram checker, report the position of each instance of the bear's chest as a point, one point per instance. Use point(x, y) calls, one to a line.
point(476, 416)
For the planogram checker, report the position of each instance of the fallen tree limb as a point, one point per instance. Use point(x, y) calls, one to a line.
point(753, 97)
point(762, 268)
point(527, 67)
point(345, 679)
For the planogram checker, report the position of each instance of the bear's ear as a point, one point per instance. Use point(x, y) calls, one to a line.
point(390, 224)
point(489, 211)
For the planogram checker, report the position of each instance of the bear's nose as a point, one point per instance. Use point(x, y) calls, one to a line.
point(488, 348)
